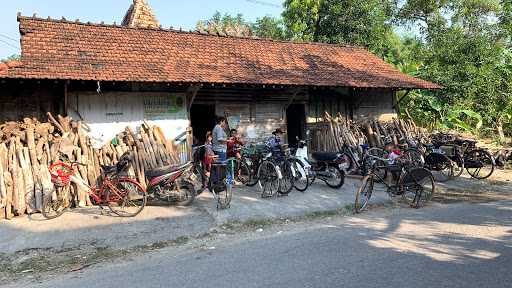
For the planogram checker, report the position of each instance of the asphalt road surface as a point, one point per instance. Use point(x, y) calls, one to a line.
point(458, 245)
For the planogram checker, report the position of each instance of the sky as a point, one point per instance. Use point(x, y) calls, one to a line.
point(175, 13)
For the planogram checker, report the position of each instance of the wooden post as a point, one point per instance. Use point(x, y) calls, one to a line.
point(66, 100)
point(189, 143)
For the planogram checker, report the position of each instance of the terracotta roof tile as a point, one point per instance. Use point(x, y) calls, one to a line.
point(67, 50)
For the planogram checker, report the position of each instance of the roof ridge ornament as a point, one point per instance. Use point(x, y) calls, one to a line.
point(140, 15)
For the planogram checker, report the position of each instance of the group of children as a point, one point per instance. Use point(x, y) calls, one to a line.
point(220, 147)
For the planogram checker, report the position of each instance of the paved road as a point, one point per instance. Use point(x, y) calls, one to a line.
point(459, 245)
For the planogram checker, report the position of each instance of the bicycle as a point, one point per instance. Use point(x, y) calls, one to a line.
point(252, 155)
point(474, 160)
point(124, 196)
point(414, 184)
point(354, 159)
point(269, 176)
point(219, 180)
point(435, 160)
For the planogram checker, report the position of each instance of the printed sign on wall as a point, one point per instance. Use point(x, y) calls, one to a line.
point(164, 106)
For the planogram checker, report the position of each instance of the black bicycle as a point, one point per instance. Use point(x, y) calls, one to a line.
point(478, 162)
point(415, 185)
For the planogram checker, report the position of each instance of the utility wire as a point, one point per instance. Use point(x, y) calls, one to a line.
point(9, 44)
point(7, 37)
point(264, 3)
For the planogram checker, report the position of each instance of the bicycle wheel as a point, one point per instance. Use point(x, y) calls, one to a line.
point(242, 172)
point(224, 197)
point(337, 177)
point(440, 166)
point(301, 179)
point(458, 165)
point(201, 180)
point(413, 157)
point(268, 179)
point(417, 186)
point(363, 194)
point(253, 169)
point(125, 197)
point(286, 183)
point(479, 164)
point(53, 203)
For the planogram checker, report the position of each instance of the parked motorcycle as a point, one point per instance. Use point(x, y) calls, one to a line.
point(172, 184)
point(325, 165)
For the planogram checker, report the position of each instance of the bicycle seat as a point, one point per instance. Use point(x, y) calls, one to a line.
point(325, 156)
point(365, 146)
point(429, 146)
point(108, 170)
point(165, 170)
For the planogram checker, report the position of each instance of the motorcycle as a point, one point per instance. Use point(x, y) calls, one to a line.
point(172, 184)
point(325, 165)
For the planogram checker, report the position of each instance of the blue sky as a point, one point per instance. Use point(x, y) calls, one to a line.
point(176, 13)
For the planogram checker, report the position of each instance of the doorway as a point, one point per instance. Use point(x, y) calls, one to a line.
point(202, 120)
point(295, 123)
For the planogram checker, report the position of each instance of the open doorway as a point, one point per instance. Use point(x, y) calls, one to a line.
point(295, 123)
point(202, 120)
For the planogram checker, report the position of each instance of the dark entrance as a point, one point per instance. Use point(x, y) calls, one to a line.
point(202, 119)
point(296, 123)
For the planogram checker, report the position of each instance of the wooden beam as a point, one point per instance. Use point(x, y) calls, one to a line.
point(396, 106)
point(191, 95)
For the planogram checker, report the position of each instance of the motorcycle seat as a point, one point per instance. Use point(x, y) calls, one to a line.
point(165, 170)
point(325, 156)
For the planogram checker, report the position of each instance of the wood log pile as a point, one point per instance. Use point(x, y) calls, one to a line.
point(337, 131)
point(396, 129)
point(28, 148)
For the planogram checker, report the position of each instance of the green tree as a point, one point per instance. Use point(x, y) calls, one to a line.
point(13, 57)
point(225, 25)
point(302, 18)
point(465, 51)
point(356, 22)
point(269, 27)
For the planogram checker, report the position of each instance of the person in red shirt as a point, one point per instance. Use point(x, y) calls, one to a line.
point(209, 155)
point(234, 143)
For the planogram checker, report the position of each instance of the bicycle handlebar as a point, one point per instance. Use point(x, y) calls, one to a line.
point(378, 158)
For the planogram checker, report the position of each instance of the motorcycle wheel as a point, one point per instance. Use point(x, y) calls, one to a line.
point(339, 178)
point(190, 194)
point(301, 181)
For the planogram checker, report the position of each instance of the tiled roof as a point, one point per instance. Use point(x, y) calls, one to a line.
point(67, 50)
point(140, 15)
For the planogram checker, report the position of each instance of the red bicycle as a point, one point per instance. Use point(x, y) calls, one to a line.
point(124, 196)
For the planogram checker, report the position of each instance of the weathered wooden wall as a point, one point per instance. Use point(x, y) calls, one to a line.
point(261, 110)
point(374, 104)
point(20, 99)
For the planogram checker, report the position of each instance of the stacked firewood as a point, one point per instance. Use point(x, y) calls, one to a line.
point(149, 147)
point(342, 131)
point(28, 148)
point(337, 131)
point(396, 130)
